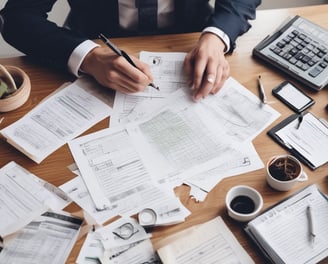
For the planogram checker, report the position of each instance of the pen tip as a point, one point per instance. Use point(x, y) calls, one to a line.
point(154, 86)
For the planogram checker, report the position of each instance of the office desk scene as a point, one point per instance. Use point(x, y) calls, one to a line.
point(93, 176)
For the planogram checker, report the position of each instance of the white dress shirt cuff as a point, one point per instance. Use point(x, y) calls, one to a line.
point(223, 36)
point(78, 55)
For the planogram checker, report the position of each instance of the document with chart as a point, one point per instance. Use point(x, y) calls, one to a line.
point(192, 138)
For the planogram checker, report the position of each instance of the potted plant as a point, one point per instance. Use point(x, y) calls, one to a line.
point(15, 87)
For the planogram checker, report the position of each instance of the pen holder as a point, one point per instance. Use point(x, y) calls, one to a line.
point(18, 85)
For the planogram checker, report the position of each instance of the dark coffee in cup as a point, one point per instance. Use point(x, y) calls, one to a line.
point(242, 204)
point(284, 169)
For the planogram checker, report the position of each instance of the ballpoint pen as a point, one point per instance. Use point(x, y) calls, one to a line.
point(122, 53)
point(311, 223)
point(261, 90)
point(300, 120)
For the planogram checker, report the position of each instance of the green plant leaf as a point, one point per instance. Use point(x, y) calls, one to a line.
point(3, 88)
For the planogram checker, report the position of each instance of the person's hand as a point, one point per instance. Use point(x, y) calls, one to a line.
point(206, 66)
point(115, 72)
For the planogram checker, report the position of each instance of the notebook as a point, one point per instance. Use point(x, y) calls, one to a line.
point(299, 48)
point(295, 230)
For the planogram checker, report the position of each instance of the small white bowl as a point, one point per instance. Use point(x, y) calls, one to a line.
point(252, 209)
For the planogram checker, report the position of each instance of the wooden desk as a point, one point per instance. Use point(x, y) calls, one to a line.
point(243, 68)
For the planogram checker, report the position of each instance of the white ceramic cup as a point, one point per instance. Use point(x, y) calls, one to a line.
point(284, 185)
point(234, 204)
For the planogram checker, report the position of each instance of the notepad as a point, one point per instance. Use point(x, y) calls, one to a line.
point(307, 140)
point(283, 232)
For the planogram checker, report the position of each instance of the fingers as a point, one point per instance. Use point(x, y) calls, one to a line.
point(115, 72)
point(125, 76)
point(206, 66)
point(212, 80)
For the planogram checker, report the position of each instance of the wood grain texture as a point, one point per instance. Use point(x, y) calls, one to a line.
point(244, 68)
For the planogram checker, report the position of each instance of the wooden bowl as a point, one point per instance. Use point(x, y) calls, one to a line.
point(20, 96)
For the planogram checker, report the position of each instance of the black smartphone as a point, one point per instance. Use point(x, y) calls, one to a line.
point(292, 96)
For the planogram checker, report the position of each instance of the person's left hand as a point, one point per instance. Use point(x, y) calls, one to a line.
point(206, 66)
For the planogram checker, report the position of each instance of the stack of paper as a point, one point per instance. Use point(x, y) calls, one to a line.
point(24, 197)
point(49, 238)
point(31, 232)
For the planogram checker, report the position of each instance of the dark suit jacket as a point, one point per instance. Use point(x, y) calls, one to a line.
point(26, 26)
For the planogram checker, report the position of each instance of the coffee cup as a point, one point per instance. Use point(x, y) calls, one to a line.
point(243, 203)
point(284, 171)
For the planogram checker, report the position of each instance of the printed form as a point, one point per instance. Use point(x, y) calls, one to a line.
point(59, 118)
point(196, 137)
point(47, 239)
point(24, 196)
point(114, 173)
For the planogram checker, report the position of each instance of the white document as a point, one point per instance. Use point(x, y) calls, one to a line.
point(170, 212)
point(233, 116)
point(179, 140)
point(92, 250)
point(245, 161)
point(59, 118)
point(284, 230)
point(114, 173)
point(239, 112)
point(78, 192)
point(140, 252)
point(211, 242)
point(167, 70)
point(186, 138)
point(310, 138)
point(24, 196)
point(48, 239)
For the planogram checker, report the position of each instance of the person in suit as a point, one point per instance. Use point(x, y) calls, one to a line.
point(27, 28)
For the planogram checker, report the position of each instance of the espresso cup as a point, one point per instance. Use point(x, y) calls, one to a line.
point(243, 203)
point(284, 171)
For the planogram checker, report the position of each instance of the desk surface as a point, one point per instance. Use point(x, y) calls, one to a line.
point(243, 68)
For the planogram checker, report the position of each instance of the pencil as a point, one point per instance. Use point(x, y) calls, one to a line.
point(122, 53)
point(261, 90)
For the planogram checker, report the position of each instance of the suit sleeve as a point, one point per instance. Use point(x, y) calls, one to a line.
point(27, 29)
point(232, 17)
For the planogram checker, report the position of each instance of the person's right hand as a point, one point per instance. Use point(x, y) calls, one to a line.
point(115, 72)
